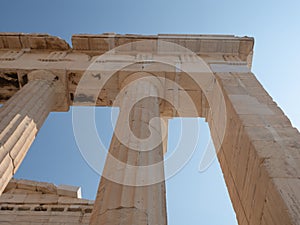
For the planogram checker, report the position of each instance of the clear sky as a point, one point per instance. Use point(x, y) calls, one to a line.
point(192, 197)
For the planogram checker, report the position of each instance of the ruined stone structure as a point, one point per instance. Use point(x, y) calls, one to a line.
point(148, 77)
point(29, 202)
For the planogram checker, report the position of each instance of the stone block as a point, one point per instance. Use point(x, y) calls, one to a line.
point(223, 68)
point(11, 185)
point(46, 188)
point(286, 167)
point(13, 198)
point(41, 198)
point(70, 191)
point(4, 41)
point(26, 185)
point(80, 43)
point(259, 133)
point(36, 42)
point(7, 216)
point(14, 42)
point(25, 41)
point(100, 44)
point(246, 104)
point(56, 43)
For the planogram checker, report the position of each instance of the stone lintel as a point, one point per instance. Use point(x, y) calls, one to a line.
point(21, 54)
point(32, 41)
point(199, 44)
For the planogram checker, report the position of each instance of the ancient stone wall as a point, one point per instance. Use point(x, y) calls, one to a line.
point(35, 203)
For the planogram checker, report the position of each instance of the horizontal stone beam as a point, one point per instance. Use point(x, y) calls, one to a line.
point(32, 41)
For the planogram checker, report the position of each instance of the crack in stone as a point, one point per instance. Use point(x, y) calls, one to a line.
point(13, 163)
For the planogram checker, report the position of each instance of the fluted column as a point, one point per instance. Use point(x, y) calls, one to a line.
point(132, 187)
point(20, 119)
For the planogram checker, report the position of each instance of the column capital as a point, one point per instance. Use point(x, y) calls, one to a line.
point(59, 82)
point(42, 75)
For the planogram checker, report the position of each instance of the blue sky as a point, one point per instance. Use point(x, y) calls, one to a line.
point(192, 197)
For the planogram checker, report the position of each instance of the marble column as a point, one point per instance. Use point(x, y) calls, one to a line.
point(20, 119)
point(132, 187)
